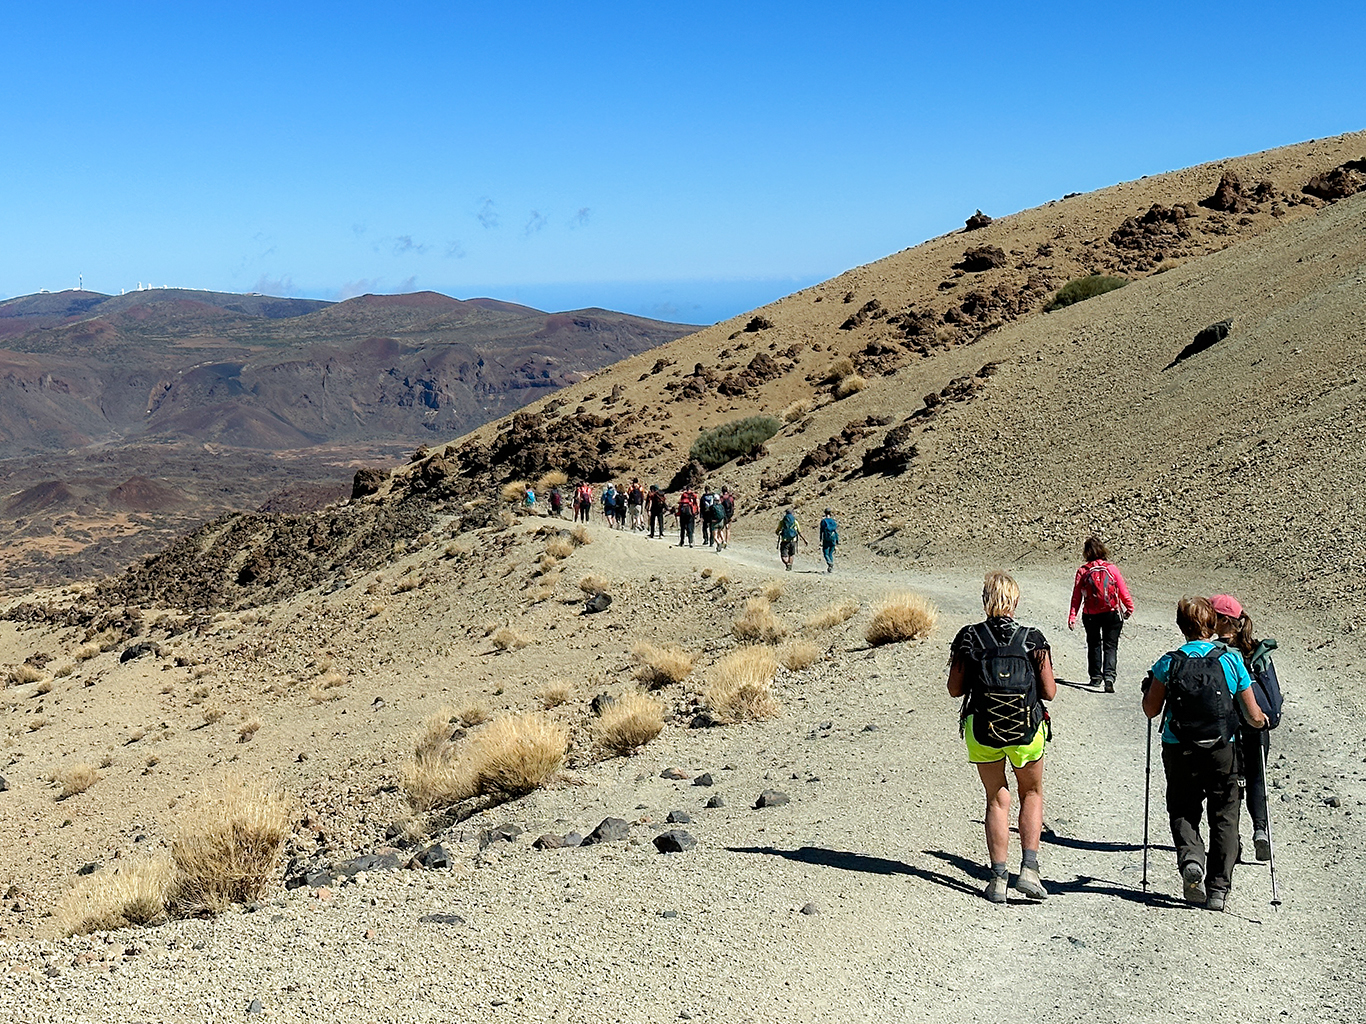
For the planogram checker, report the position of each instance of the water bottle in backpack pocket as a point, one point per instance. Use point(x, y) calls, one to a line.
point(1003, 693)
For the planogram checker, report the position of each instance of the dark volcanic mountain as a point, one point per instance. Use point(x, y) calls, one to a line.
point(255, 371)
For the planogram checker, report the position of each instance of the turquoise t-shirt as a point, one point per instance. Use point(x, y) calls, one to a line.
point(1235, 674)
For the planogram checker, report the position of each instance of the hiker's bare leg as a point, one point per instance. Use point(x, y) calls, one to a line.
point(1029, 780)
point(998, 809)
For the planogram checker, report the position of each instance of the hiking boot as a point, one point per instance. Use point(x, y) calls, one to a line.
point(1261, 843)
point(1027, 882)
point(1216, 900)
point(995, 891)
point(1193, 876)
point(1109, 686)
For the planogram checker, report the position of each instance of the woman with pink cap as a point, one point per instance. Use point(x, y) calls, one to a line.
point(1254, 745)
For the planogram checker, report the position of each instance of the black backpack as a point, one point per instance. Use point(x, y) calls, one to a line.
point(1266, 688)
point(1003, 694)
point(1199, 705)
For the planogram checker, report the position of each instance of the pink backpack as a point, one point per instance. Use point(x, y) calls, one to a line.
point(1100, 581)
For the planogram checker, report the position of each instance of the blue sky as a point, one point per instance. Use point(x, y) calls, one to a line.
point(685, 161)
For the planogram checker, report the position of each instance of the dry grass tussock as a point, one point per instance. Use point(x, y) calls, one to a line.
point(559, 547)
point(555, 693)
point(513, 490)
point(772, 590)
point(739, 687)
point(840, 369)
point(326, 687)
point(24, 675)
point(226, 846)
point(833, 614)
point(629, 723)
point(554, 478)
point(548, 563)
point(508, 639)
point(77, 779)
point(63, 670)
point(660, 666)
point(850, 385)
point(133, 893)
point(580, 535)
point(86, 652)
point(757, 623)
point(799, 654)
point(797, 410)
point(593, 584)
point(901, 617)
point(510, 756)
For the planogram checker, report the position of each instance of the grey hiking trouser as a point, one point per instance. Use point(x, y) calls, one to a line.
point(1204, 780)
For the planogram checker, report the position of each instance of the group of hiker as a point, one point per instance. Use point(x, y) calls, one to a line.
point(640, 510)
point(1215, 698)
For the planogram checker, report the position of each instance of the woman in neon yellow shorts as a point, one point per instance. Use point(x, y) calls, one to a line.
point(1001, 643)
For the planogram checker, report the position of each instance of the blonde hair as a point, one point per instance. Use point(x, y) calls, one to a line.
point(1000, 593)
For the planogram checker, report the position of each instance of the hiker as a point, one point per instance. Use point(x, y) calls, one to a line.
point(728, 507)
point(1004, 671)
point(1234, 628)
point(830, 539)
point(687, 515)
point(556, 502)
point(583, 502)
point(656, 504)
point(1101, 596)
point(635, 498)
point(714, 517)
point(529, 499)
point(609, 504)
point(1194, 688)
point(620, 509)
point(789, 533)
point(708, 520)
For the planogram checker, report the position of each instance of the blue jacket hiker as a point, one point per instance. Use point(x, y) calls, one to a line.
point(830, 539)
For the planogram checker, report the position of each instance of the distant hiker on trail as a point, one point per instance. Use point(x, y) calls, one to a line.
point(609, 504)
point(709, 500)
point(1004, 671)
point(620, 509)
point(727, 506)
point(529, 499)
point(687, 515)
point(583, 502)
point(656, 504)
point(713, 518)
point(830, 539)
point(1254, 745)
point(1194, 688)
point(789, 534)
point(635, 498)
point(556, 502)
point(1102, 598)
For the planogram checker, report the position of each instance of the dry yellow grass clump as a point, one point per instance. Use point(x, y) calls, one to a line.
point(248, 729)
point(325, 687)
point(901, 617)
point(510, 756)
point(77, 779)
point(757, 623)
point(740, 686)
point(772, 590)
point(797, 410)
point(833, 614)
point(555, 693)
point(559, 547)
point(850, 385)
point(24, 674)
point(628, 723)
point(513, 490)
point(799, 654)
point(593, 584)
point(840, 369)
point(508, 639)
point(660, 666)
point(63, 670)
point(86, 652)
point(548, 563)
point(133, 893)
point(226, 847)
point(580, 535)
point(554, 478)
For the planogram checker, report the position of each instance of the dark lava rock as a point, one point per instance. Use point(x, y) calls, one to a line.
point(811, 910)
point(669, 914)
point(89, 869)
point(310, 874)
point(980, 258)
point(679, 818)
point(609, 830)
point(138, 649)
point(676, 774)
point(1339, 183)
point(597, 603)
point(1210, 336)
point(977, 220)
point(1228, 196)
point(704, 720)
point(894, 455)
point(704, 779)
point(549, 841)
point(367, 481)
point(433, 857)
point(4, 784)
point(772, 798)
point(674, 841)
point(601, 703)
point(573, 839)
point(758, 323)
point(870, 728)
point(505, 833)
point(369, 862)
point(716, 801)
point(441, 919)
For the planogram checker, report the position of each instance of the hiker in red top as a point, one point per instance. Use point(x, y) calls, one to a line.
point(1102, 598)
point(688, 505)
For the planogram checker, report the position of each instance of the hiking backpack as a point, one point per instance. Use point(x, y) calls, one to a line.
point(1266, 688)
point(1100, 581)
point(830, 533)
point(1003, 694)
point(687, 502)
point(787, 529)
point(1199, 705)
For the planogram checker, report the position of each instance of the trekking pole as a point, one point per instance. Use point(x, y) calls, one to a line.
point(1270, 840)
point(1147, 791)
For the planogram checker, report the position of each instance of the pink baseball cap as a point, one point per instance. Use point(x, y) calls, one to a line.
point(1227, 606)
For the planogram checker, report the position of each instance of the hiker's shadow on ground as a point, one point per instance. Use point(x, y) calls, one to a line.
point(1080, 884)
point(843, 861)
point(1078, 686)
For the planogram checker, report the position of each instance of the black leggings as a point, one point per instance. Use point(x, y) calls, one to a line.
point(1253, 747)
point(1102, 645)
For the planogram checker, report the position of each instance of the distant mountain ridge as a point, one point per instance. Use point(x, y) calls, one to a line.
point(259, 371)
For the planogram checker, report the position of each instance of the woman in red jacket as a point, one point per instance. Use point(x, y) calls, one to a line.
point(1102, 598)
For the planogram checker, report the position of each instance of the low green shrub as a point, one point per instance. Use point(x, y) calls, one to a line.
point(714, 448)
point(1084, 288)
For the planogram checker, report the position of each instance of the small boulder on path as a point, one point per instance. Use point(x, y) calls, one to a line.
point(704, 779)
point(609, 830)
point(674, 841)
point(772, 798)
point(678, 818)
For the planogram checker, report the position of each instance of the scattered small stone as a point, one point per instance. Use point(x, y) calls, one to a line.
point(728, 768)
point(870, 728)
point(668, 913)
point(254, 1007)
point(369, 862)
point(597, 603)
point(138, 649)
point(826, 726)
point(322, 893)
point(434, 857)
point(609, 830)
point(601, 703)
point(370, 933)
point(679, 818)
point(674, 841)
point(704, 720)
point(573, 839)
point(772, 798)
point(677, 774)
point(89, 869)
point(1333, 801)
point(504, 833)
point(4, 784)
point(441, 919)
point(716, 801)
point(549, 841)
point(811, 910)
point(704, 779)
